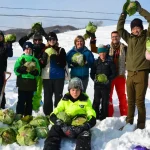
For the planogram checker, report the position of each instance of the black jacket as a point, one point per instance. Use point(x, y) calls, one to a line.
point(107, 67)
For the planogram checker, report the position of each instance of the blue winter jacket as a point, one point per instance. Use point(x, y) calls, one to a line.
point(80, 71)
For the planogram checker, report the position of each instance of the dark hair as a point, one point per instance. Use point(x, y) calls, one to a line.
point(116, 32)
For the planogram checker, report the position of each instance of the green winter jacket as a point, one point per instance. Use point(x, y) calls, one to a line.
point(135, 59)
point(26, 82)
point(77, 108)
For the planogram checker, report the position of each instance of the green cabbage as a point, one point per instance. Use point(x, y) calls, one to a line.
point(148, 44)
point(64, 117)
point(131, 9)
point(78, 121)
point(7, 116)
point(30, 66)
point(41, 132)
point(26, 135)
point(10, 38)
point(50, 51)
point(7, 136)
point(91, 27)
point(37, 26)
point(78, 58)
point(101, 78)
point(39, 121)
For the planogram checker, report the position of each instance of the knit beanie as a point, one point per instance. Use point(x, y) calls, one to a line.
point(136, 23)
point(75, 83)
point(1, 33)
point(37, 36)
point(27, 45)
point(52, 35)
point(102, 49)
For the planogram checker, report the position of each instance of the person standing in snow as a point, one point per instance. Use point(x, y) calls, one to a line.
point(136, 64)
point(102, 73)
point(77, 70)
point(38, 48)
point(74, 104)
point(53, 73)
point(27, 69)
point(117, 52)
point(5, 52)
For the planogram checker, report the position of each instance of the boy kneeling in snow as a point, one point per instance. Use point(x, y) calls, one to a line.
point(27, 69)
point(77, 107)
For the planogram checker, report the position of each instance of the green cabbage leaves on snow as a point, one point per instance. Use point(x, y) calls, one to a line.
point(78, 58)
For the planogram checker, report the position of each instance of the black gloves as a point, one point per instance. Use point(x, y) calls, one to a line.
point(138, 6)
point(22, 70)
point(34, 72)
point(92, 35)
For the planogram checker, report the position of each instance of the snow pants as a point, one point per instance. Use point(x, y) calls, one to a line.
point(85, 83)
point(137, 83)
point(101, 101)
point(53, 141)
point(119, 83)
point(38, 94)
point(2, 78)
point(24, 104)
point(52, 86)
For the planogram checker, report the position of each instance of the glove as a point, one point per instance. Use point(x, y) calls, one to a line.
point(138, 6)
point(22, 70)
point(69, 131)
point(34, 72)
point(74, 64)
point(92, 35)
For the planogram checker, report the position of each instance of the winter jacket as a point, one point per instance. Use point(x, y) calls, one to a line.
point(5, 52)
point(135, 59)
point(107, 67)
point(37, 49)
point(26, 82)
point(54, 64)
point(79, 107)
point(80, 71)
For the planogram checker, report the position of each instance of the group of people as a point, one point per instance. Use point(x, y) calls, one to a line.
point(44, 66)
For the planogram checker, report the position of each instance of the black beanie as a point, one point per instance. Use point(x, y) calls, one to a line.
point(136, 23)
point(37, 36)
point(52, 35)
point(1, 33)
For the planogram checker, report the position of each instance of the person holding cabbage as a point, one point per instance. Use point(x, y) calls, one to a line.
point(37, 32)
point(53, 73)
point(73, 118)
point(26, 69)
point(102, 73)
point(80, 59)
point(136, 63)
point(5, 52)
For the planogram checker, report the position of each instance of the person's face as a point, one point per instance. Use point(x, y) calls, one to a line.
point(28, 51)
point(52, 41)
point(1, 38)
point(37, 41)
point(136, 31)
point(115, 38)
point(75, 92)
point(102, 56)
point(79, 43)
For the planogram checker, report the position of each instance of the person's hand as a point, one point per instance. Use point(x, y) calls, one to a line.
point(138, 5)
point(34, 72)
point(91, 35)
point(74, 64)
point(22, 70)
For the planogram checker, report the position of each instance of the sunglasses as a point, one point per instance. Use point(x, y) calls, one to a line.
point(51, 39)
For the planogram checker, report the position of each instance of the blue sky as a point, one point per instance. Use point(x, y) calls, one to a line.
point(109, 6)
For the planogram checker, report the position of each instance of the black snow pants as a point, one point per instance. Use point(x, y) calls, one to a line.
point(2, 77)
point(24, 104)
point(83, 140)
point(52, 86)
point(101, 101)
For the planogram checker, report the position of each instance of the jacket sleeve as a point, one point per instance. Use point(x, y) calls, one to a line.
point(61, 58)
point(146, 15)
point(93, 45)
point(23, 40)
point(68, 58)
point(17, 65)
point(43, 60)
point(93, 71)
point(9, 49)
point(120, 28)
point(113, 71)
point(90, 59)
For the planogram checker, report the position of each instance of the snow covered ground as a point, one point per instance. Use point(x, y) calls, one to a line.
point(105, 135)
